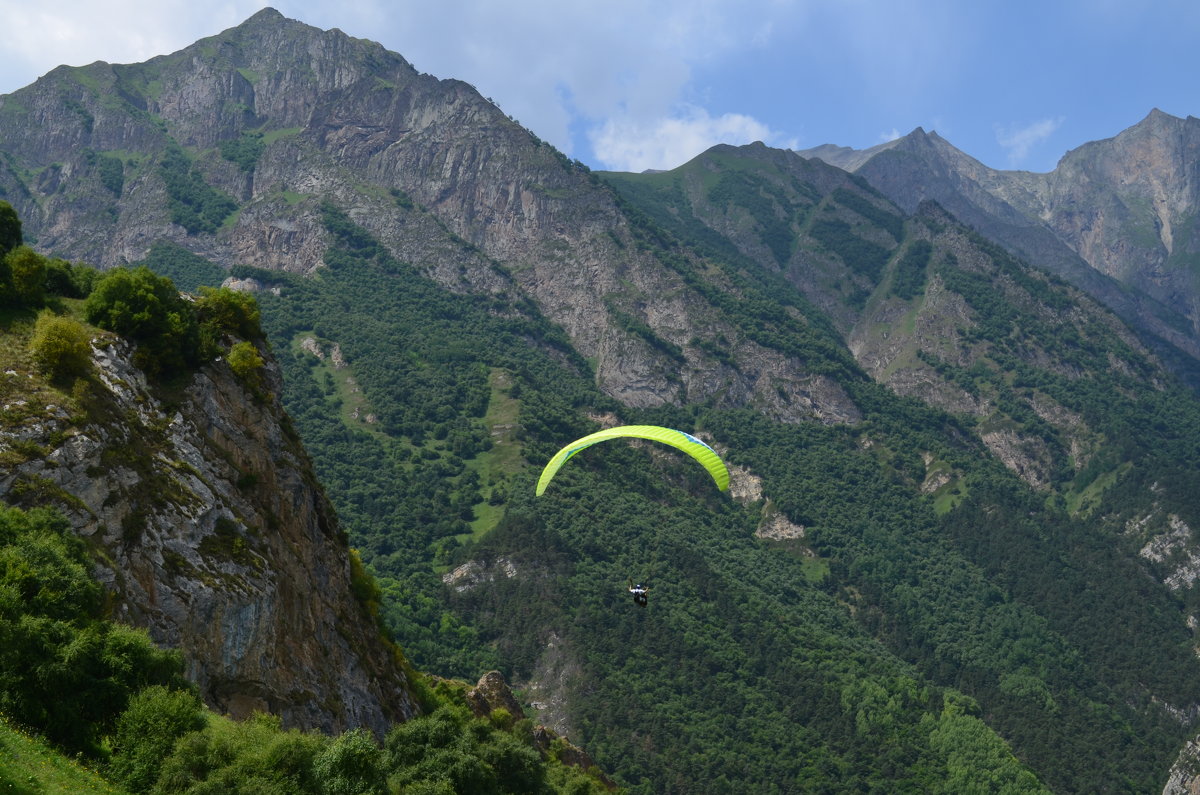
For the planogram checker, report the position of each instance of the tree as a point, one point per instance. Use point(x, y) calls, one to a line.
point(246, 364)
point(229, 311)
point(149, 310)
point(65, 671)
point(351, 765)
point(10, 228)
point(71, 281)
point(27, 270)
point(147, 730)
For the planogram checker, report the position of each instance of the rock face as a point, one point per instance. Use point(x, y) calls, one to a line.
point(212, 533)
point(1185, 773)
point(429, 167)
point(923, 304)
point(492, 693)
point(1128, 206)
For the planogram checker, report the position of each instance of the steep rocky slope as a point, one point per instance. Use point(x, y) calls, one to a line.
point(200, 504)
point(897, 289)
point(1041, 374)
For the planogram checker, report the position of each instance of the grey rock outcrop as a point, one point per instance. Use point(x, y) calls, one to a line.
point(1185, 773)
point(493, 693)
point(211, 532)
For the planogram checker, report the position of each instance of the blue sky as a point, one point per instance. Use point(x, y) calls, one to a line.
point(635, 84)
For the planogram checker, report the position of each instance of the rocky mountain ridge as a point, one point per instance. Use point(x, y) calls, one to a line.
point(436, 172)
point(895, 288)
point(1115, 217)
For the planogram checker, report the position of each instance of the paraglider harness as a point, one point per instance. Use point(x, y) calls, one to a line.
point(639, 592)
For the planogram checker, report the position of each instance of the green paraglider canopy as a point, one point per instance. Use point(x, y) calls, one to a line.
point(689, 444)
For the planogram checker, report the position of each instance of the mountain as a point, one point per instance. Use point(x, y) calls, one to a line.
point(1113, 218)
point(959, 548)
point(234, 160)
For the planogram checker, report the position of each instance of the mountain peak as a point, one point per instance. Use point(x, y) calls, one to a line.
point(266, 14)
point(1156, 120)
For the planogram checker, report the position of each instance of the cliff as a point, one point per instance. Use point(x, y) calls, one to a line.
point(210, 530)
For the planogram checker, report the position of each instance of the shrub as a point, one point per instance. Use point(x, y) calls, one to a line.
point(64, 671)
point(189, 271)
point(229, 311)
point(254, 756)
point(909, 276)
point(244, 150)
point(351, 765)
point(246, 364)
point(146, 733)
point(195, 205)
point(10, 228)
point(112, 173)
point(60, 346)
point(72, 281)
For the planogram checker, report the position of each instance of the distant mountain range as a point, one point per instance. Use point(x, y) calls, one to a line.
point(1116, 217)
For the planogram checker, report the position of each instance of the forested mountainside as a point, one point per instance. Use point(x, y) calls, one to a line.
point(1117, 217)
point(959, 553)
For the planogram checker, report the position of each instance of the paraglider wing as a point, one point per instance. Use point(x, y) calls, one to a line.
point(689, 444)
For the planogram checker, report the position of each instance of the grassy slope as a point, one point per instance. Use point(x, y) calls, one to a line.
point(28, 766)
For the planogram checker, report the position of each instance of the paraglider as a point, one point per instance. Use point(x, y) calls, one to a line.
point(689, 444)
point(705, 455)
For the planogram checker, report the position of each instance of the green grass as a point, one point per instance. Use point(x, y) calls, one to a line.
point(504, 460)
point(815, 570)
point(354, 405)
point(274, 135)
point(1082, 502)
point(950, 495)
point(87, 80)
point(28, 766)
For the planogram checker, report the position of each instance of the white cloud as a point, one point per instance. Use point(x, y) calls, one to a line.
point(627, 144)
point(887, 137)
point(1018, 141)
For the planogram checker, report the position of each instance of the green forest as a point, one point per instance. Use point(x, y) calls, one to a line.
point(917, 623)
